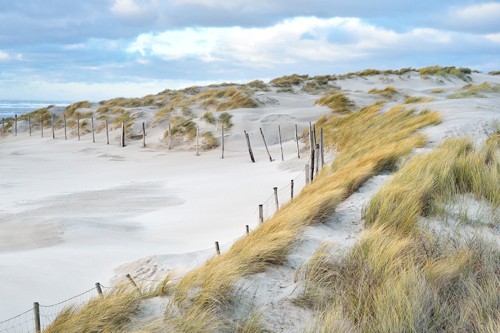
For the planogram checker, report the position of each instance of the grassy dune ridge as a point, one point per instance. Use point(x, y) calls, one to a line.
point(402, 277)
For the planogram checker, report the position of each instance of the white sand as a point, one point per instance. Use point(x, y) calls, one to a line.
point(71, 212)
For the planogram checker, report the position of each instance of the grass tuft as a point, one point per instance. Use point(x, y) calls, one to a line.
point(336, 101)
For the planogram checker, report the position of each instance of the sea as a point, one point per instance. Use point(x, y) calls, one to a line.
point(9, 108)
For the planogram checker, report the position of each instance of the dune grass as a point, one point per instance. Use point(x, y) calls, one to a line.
point(223, 99)
point(494, 73)
point(417, 99)
point(387, 92)
point(337, 102)
point(389, 136)
point(110, 313)
point(288, 80)
point(460, 72)
point(402, 278)
point(476, 90)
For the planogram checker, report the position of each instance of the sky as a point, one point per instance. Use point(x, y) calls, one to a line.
point(99, 49)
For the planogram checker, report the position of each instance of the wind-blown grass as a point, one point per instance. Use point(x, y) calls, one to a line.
point(387, 92)
point(336, 101)
point(476, 90)
point(368, 141)
point(402, 278)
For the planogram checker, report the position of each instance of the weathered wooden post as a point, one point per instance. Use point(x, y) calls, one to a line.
point(291, 190)
point(222, 142)
point(143, 135)
point(169, 137)
point(316, 153)
point(217, 248)
point(78, 127)
point(276, 202)
point(314, 136)
point(107, 131)
point(249, 147)
point(261, 213)
point(41, 125)
point(15, 125)
point(122, 141)
point(308, 177)
point(65, 132)
point(52, 124)
point(133, 283)
point(281, 143)
point(265, 145)
point(310, 138)
point(297, 140)
point(322, 147)
point(312, 165)
point(197, 141)
point(247, 229)
point(36, 311)
point(92, 125)
point(29, 123)
point(98, 288)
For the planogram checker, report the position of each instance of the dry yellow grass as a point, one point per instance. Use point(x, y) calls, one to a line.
point(402, 278)
point(416, 99)
point(387, 92)
point(336, 101)
point(389, 136)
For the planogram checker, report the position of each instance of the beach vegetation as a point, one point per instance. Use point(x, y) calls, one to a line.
point(475, 90)
point(387, 92)
point(336, 101)
point(407, 278)
point(494, 73)
point(225, 120)
point(209, 117)
point(417, 99)
point(460, 72)
point(288, 81)
point(208, 141)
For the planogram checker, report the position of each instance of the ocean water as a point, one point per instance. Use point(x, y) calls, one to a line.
point(8, 108)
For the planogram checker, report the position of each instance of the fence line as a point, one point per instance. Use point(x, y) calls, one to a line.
point(25, 322)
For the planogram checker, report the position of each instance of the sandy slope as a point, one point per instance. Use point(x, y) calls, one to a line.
point(71, 212)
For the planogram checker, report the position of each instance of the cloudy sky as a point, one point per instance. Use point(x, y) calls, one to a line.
point(96, 49)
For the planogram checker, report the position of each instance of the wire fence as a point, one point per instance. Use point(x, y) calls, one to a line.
point(26, 322)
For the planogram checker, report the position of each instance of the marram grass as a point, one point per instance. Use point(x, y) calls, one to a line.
point(401, 278)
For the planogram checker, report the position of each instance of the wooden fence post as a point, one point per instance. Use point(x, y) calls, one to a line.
point(265, 144)
point(123, 135)
point(143, 135)
point(92, 125)
point(291, 190)
point(275, 189)
point(310, 138)
point(249, 147)
point(297, 140)
point(197, 141)
point(317, 158)
point(65, 133)
point(247, 229)
point(107, 131)
point(15, 125)
point(41, 124)
point(52, 123)
point(98, 288)
point(322, 147)
point(133, 283)
point(29, 123)
point(308, 177)
point(222, 142)
point(261, 213)
point(217, 248)
point(78, 127)
point(281, 143)
point(312, 165)
point(36, 310)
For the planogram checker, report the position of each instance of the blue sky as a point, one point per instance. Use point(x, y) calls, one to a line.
point(97, 49)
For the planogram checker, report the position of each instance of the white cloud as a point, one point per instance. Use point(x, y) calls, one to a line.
point(4, 56)
point(133, 11)
point(330, 40)
point(483, 17)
